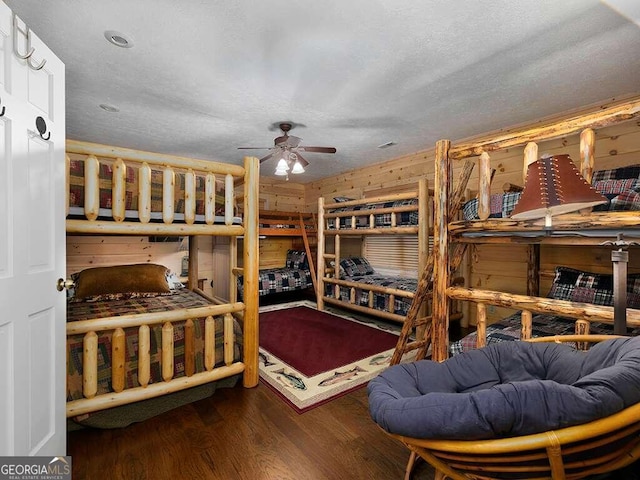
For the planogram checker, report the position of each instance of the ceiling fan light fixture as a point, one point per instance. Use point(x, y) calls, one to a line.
point(297, 168)
point(280, 172)
point(282, 165)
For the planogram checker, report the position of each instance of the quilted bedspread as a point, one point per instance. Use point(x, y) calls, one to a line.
point(380, 301)
point(278, 280)
point(179, 300)
point(380, 220)
point(621, 187)
point(509, 328)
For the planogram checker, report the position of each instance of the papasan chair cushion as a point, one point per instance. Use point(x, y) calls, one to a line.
point(507, 389)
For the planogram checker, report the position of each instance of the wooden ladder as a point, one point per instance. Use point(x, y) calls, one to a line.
point(422, 324)
point(307, 249)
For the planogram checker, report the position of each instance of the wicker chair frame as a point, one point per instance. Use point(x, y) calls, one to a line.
point(576, 452)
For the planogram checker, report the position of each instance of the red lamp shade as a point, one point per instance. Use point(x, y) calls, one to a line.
point(554, 186)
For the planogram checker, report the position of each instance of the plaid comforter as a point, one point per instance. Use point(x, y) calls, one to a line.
point(179, 300)
point(545, 325)
point(380, 301)
point(278, 280)
point(380, 220)
point(621, 186)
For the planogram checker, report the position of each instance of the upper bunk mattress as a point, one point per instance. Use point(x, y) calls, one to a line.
point(621, 187)
point(362, 213)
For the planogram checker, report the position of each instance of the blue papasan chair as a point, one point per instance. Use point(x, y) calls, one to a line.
point(517, 410)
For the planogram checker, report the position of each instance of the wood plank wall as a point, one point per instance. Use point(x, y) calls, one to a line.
point(87, 251)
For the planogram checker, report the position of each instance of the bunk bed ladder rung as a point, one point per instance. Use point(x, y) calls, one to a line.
point(413, 321)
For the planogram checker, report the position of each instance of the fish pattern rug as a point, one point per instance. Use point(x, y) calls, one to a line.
point(301, 380)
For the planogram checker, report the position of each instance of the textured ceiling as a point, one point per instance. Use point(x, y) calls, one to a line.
point(206, 77)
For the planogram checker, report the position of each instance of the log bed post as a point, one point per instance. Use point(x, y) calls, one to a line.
point(484, 186)
point(321, 259)
point(440, 330)
point(251, 265)
point(530, 156)
point(587, 153)
point(424, 222)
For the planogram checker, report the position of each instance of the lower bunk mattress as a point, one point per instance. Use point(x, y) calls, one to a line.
point(279, 280)
point(401, 305)
point(181, 299)
point(543, 325)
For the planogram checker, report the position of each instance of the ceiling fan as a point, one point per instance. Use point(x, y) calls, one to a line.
point(286, 149)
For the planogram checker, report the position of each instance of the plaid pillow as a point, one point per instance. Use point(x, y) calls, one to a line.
point(620, 186)
point(586, 287)
point(630, 171)
point(356, 266)
point(296, 259)
point(564, 283)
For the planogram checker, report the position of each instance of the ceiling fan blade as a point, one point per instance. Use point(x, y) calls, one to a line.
point(302, 160)
point(318, 149)
point(255, 148)
point(287, 141)
point(266, 158)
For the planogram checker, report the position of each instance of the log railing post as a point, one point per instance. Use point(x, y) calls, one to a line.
point(90, 365)
point(440, 329)
point(119, 190)
point(91, 187)
point(144, 355)
point(168, 194)
point(484, 186)
point(144, 193)
point(118, 360)
point(530, 156)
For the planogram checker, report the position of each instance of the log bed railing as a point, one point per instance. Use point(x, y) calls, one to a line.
point(94, 155)
point(447, 231)
point(116, 325)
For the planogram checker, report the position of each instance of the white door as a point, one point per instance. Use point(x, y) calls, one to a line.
point(32, 247)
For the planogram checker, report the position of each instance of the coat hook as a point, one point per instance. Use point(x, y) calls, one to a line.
point(41, 125)
point(17, 29)
point(3, 109)
point(30, 49)
point(36, 67)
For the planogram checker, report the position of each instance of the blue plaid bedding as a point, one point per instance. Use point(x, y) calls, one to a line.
point(621, 186)
point(380, 301)
point(543, 325)
point(380, 220)
point(278, 280)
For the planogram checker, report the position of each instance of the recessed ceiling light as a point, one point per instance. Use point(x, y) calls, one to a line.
point(386, 145)
point(118, 39)
point(109, 108)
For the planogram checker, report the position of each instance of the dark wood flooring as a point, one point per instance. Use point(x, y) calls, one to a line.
point(248, 434)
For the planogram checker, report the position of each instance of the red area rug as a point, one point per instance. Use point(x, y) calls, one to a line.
point(310, 357)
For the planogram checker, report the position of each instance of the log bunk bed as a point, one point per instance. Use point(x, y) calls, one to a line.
point(355, 286)
point(585, 227)
point(117, 356)
point(574, 446)
point(298, 272)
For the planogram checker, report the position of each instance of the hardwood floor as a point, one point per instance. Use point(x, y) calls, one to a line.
point(248, 434)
